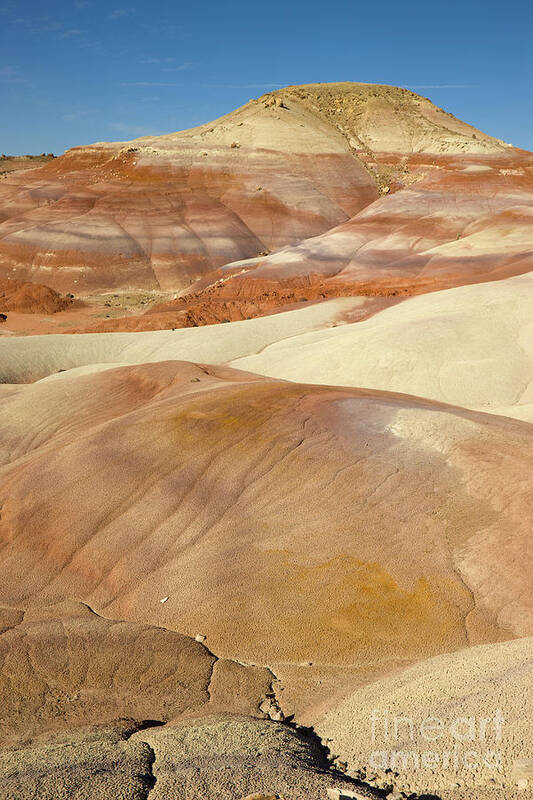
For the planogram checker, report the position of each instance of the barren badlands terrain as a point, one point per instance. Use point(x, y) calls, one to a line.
point(266, 459)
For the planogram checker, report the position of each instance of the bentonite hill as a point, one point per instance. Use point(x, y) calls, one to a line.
point(266, 458)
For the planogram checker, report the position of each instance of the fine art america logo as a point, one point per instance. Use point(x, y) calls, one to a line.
point(401, 743)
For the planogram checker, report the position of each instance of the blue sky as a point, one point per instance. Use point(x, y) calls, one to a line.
point(79, 71)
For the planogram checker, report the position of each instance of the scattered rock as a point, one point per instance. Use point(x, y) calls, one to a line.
point(270, 707)
point(260, 796)
point(163, 600)
point(200, 637)
point(340, 794)
point(342, 766)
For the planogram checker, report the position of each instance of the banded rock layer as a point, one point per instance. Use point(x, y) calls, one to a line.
point(165, 211)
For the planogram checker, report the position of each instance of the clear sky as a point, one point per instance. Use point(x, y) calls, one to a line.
point(78, 71)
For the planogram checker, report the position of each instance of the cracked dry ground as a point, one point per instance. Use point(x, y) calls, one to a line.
point(85, 681)
point(247, 504)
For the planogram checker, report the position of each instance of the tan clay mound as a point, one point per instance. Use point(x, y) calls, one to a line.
point(258, 505)
point(29, 358)
point(468, 346)
point(471, 346)
point(164, 211)
point(457, 725)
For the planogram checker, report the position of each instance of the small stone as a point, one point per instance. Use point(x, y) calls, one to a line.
point(200, 637)
point(344, 794)
point(163, 600)
point(260, 796)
